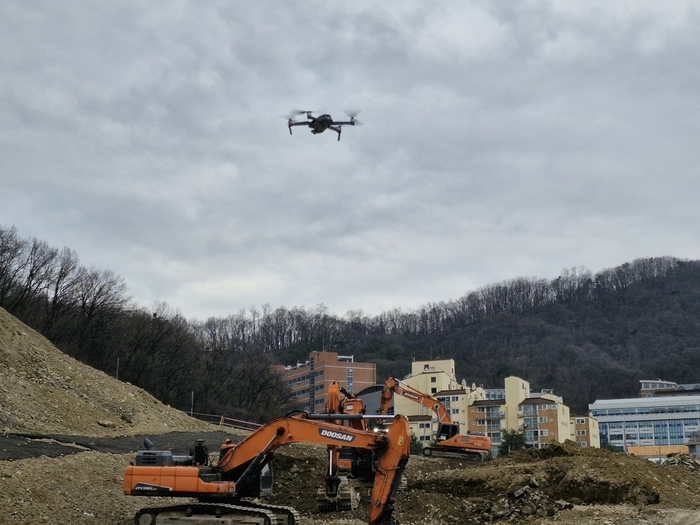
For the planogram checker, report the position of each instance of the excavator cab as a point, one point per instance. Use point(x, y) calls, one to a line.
point(200, 453)
point(446, 431)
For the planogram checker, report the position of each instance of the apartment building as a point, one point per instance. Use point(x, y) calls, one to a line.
point(542, 416)
point(584, 431)
point(309, 381)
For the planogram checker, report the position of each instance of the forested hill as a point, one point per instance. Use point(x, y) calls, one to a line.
point(595, 339)
point(586, 336)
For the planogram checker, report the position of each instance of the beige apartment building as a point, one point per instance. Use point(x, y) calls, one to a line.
point(584, 431)
point(309, 381)
point(542, 416)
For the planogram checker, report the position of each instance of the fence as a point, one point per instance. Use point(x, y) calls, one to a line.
point(229, 422)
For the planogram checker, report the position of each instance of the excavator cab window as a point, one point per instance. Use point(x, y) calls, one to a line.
point(447, 432)
point(200, 454)
point(267, 480)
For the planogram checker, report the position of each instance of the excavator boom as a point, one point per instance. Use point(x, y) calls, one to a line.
point(394, 386)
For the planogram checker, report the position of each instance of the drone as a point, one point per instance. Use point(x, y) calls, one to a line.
point(323, 122)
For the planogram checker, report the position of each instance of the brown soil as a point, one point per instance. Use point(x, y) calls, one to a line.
point(42, 391)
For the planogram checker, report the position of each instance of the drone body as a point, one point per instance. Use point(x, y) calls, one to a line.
point(322, 123)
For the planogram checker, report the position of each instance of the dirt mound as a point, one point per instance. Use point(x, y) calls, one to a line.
point(43, 390)
point(559, 483)
point(569, 473)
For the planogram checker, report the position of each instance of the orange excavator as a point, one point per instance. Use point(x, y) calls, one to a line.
point(349, 468)
point(449, 442)
point(222, 490)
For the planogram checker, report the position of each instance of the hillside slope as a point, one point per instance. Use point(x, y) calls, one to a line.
point(43, 390)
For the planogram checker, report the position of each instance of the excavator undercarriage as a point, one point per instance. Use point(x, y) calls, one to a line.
point(453, 453)
point(201, 513)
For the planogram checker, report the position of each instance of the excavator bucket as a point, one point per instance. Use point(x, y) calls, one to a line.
point(338, 495)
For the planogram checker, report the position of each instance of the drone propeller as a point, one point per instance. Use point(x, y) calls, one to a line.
point(352, 113)
point(293, 113)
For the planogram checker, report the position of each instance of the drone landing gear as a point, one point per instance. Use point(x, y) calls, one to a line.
point(337, 129)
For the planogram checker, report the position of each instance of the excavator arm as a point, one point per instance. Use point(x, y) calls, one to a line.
point(393, 386)
point(288, 430)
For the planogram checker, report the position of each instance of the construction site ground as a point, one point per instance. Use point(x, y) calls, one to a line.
point(69, 431)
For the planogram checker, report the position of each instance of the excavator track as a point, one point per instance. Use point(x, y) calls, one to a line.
point(285, 515)
point(450, 453)
point(241, 513)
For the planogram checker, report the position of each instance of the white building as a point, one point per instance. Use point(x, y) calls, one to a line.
point(656, 421)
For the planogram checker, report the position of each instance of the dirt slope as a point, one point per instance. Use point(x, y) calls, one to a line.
point(42, 391)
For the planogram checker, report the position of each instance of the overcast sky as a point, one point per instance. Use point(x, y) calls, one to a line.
point(500, 140)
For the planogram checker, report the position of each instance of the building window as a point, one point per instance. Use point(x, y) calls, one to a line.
point(583, 444)
point(481, 422)
point(580, 421)
point(455, 410)
point(433, 390)
point(455, 398)
point(544, 432)
point(583, 433)
point(433, 379)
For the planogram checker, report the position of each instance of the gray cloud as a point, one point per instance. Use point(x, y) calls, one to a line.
point(501, 140)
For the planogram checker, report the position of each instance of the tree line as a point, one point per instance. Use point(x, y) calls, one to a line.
point(531, 327)
point(87, 314)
